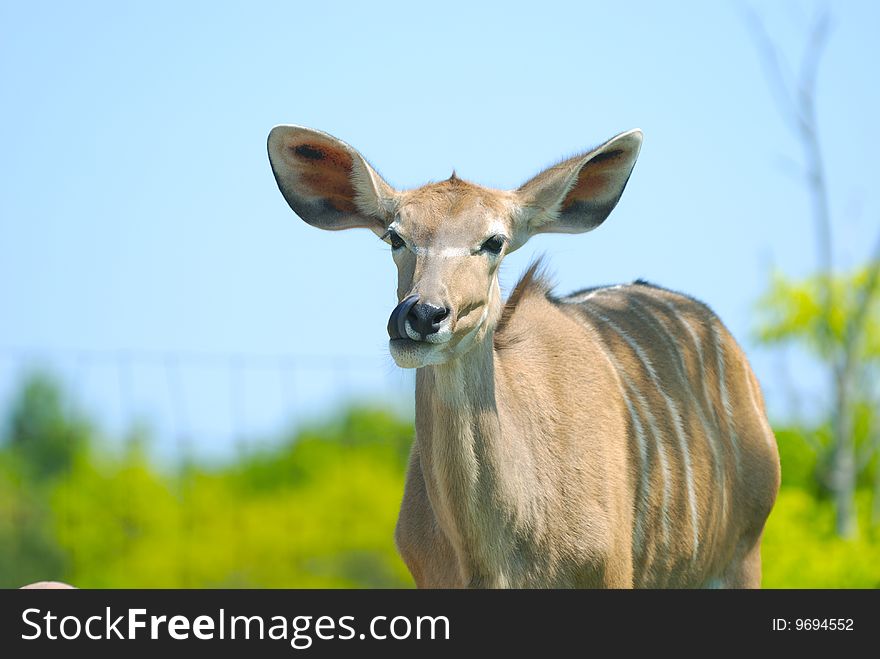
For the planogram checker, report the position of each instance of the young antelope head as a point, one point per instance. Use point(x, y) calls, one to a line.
point(449, 238)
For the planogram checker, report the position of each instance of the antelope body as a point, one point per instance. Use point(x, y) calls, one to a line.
point(616, 437)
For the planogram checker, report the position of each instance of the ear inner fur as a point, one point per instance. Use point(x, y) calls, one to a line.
point(326, 182)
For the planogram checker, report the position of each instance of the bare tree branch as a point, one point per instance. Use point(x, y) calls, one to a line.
point(810, 65)
point(774, 67)
point(799, 111)
point(798, 108)
point(858, 324)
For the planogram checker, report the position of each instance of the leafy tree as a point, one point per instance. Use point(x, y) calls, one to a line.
point(316, 511)
point(41, 439)
point(43, 431)
point(791, 312)
point(838, 309)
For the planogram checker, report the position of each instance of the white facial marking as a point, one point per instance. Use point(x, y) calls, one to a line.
point(440, 252)
point(415, 354)
point(495, 229)
point(442, 335)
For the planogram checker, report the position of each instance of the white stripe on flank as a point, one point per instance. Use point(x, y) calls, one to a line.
point(643, 471)
point(676, 421)
point(697, 345)
point(583, 297)
point(725, 399)
point(643, 450)
point(754, 395)
point(711, 440)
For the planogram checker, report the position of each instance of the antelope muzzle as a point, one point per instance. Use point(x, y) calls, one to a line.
point(416, 320)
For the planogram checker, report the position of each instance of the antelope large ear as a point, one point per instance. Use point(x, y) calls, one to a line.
point(578, 194)
point(328, 183)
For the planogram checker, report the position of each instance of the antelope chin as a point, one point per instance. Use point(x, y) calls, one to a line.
point(415, 354)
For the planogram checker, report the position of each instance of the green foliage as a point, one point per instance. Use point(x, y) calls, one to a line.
point(791, 311)
point(318, 510)
point(805, 451)
point(376, 432)
point(837, 320)
point(799, 459)
point(43, 436)
point(801, 550)
point(28, 549)
point(330, 526)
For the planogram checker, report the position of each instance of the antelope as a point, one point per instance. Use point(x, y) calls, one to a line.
point(616, 437)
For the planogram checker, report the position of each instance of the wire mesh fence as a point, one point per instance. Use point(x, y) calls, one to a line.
point(203, 505)
point(208, 404)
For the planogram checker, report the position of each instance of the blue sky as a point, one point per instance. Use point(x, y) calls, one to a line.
point(138, 210)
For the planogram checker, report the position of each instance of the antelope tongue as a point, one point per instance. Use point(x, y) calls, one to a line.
point(397, 321)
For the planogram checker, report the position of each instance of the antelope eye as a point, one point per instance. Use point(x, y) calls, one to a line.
point(493, 245)
point(394, 238)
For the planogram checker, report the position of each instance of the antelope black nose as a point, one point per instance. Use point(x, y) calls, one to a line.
point(426, 318)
